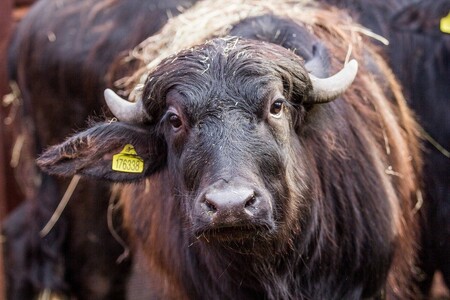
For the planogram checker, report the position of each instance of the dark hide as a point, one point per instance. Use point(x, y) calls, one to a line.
point(332, 228)
point(419, 54)
point(59, 56)
point(420, 57)
point(23, 250)
point(373, 14)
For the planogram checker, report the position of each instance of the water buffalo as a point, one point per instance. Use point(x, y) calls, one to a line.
point(255, 173)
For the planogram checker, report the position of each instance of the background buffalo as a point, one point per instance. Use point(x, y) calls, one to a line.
point(419, 54)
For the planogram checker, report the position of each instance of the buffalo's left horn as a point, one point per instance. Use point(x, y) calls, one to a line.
point(124, 110)
point(327, 89)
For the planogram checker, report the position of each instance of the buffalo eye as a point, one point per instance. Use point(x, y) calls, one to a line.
point(276, 108)
point(175, 121)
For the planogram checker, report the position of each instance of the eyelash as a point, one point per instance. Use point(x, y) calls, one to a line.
point(175, 121)
point(277, 108)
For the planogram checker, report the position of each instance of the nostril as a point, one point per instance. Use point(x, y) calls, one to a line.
point(229, 201)
point(210, 206)
point(251, 201)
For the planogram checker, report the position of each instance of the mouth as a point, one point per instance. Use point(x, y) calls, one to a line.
point(234, 233)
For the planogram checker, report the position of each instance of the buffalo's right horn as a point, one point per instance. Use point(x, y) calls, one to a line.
point(124, 110)
point(327, 89)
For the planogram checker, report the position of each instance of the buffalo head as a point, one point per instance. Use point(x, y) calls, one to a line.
point(223, 119)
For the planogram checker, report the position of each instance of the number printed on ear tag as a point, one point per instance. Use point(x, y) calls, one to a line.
point(128, 161)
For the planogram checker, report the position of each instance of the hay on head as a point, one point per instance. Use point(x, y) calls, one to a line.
point(210, 19)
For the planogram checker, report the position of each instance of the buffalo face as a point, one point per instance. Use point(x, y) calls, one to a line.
point(229, 125)
point(227, 159)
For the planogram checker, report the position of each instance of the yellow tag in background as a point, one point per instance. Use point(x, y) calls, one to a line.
point(445, 24)
point(128, 161)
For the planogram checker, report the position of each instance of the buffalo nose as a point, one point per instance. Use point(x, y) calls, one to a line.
point(230, 202)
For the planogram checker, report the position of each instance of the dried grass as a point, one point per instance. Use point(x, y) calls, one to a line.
point(61, 206)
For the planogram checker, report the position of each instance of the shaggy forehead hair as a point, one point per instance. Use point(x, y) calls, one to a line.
point(241, 68)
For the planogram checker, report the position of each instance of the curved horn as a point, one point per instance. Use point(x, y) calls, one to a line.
point(327, 89)
point(124, 110)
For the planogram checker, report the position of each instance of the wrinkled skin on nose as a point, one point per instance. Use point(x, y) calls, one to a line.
point(229, 202)
point(233, 210)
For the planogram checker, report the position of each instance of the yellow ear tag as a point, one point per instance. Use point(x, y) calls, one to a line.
point(445, 24)
point(128, 161)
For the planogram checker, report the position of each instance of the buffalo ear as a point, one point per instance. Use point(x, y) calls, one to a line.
point(91, 153)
